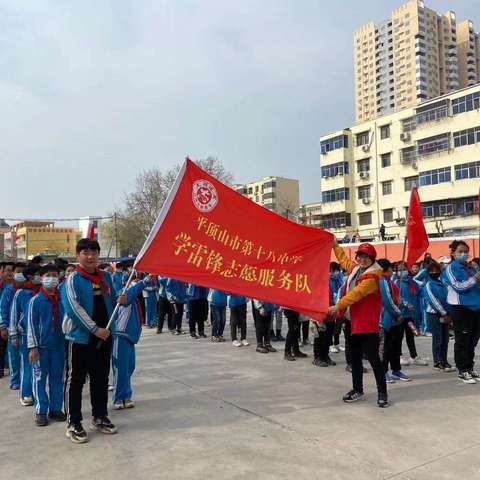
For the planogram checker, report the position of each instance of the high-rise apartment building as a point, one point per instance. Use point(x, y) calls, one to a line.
point(279, 194)
point(415, 55)
point(368, 170)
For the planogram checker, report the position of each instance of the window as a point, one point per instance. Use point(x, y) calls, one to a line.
point(269, 206)
point(335, 195)
point(388, 215)
point(385, 131)
point(364, 192)
point(250, 190)
point(467, 170)
point(386, 159)
point(257, 188)
point(407, 155)
point(337, 220)
point(410, 182)
point(437, 143)
point(432, 112)
point(466, 103)
point(363, 165)
point(271, 184)
point(341, 141)
point(387, 187)
point(434, 177)
point(466, 137)
point(458, 206)
point(362, 138)
point(267, 196)
point(335, 169)
point(365, 218)
point(409, 124)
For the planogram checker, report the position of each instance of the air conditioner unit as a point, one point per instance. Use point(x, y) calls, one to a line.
point(366, 148)
point(364, 175)
point(405, 136)
point(366, 201)
point(415, 165)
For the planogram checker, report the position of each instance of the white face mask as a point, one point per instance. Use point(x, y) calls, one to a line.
point(50, 283)
point(19, 277)
point(37, 280)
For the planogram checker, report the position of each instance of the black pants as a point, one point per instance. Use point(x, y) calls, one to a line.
point(165, 310)
point(3, 349)
point(293, 334)
point(466, 325)
point(198, 314)
point(347, 332)
point(177, 313)
point(322, 343)
point(337, 329)
point(238, 320)
point(368, 343)
point(83, 360)
point(392, 348)
point(262, 328)
point(410, 338)
point(305, 328)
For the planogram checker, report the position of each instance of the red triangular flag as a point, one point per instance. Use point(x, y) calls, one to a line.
point(417, 238)
point(91, 231)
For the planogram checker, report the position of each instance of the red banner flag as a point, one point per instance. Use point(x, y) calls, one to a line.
point(91, 231)
point(417, 238)
point(210, 235)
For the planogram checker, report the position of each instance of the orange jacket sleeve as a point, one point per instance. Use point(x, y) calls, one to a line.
point(363, 289)
point(343, 260)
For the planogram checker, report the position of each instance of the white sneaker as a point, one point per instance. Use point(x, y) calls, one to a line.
point(419, 361)
point(118, 406)
point(465, 377)
point(342, 349)
point(236, 343)
point(404, 362)
point(245, 343)
point(129, 403)
point(26, 401)
point(334, 349)
point(110, 388)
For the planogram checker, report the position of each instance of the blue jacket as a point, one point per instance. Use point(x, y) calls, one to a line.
point(409, 293)
point(236, 301)
point(390, 311)
point(117, 278)
point(435, 295)
point(5, 305)
point(128, 321)
point(150, 290)
point(162, 283)
point(335, 284)
point(175, 291)
point(218, 298)
point(18, 313)
point(463, 287)
point(258, 304)
point(195, 292)
point(77, 299)
point(43, 330)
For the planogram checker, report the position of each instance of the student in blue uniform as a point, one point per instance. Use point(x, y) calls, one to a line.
point(126, 334)
point(335, 282)
point(463, 285)
point(5, 308)
point(46, 348)
point(218, 313)
point(150, 297)
point(18, 328)
point(262, 316)
point(6, 278)
point(176, 295)
point(238, 319)
point(197, 300)
point(164, 307)
point(117, 277)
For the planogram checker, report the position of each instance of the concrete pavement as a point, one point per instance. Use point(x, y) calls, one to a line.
point(214, 411)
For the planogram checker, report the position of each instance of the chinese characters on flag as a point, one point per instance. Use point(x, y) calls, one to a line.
point(210, 235)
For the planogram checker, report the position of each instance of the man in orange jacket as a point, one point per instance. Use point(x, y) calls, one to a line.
point(360, 301)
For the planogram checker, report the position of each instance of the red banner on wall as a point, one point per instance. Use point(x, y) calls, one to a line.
point(210, 235)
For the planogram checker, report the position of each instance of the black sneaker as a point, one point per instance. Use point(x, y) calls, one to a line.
point(41, 420)
point(57, 416)
point(289, 357)
point(382, 400)
point(279, 337)
point(103, 425)
point(300, 354)
point(438, 366)
point(261, 349)
point(270, 348)
point(159, 331)
point(352, 396)
point(221, 339)
point(76, 433)
point(2, 372)
point(319, 363)
point(193, 335)
point(348, 368)
point(330, 362)
point(202, 335)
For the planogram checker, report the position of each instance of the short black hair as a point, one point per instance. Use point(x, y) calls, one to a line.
point(37, 259)
point(433, 266)
point(334, 267)
point(60, 263)
point(456, 243)
point(31, 269)
point(9, 264)
point(20, 265)
point(385, 264)
point(103, 266)
point(49, 267)
point(87, 244)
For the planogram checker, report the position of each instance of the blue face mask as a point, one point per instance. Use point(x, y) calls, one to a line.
point(50, 283)
point(19, 277)
point(461, 257)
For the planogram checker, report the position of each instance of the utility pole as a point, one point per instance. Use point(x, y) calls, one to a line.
point(116, 234)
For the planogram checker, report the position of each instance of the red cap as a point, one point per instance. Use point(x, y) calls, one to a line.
point(367, 249)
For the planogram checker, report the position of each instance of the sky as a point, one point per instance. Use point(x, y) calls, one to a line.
point(94, 92)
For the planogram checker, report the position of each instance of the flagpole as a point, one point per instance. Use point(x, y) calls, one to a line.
point(117, 306)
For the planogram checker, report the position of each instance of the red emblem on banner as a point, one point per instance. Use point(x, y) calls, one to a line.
point(204, 195)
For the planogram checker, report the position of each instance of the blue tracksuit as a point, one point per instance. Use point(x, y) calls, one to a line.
point(421, 279)
point(128, 329)
point(18, 331)
point(218, 311)
point(45, 333)
point(390, 311)
point(117, 279)
point(162, 284)
point(463, 287)
point(176, 291)
point(13, 353)
point(150, 297)
point(335, 284)
point(236, 301)
point(409, 293)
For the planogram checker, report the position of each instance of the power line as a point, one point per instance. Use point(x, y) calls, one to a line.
point(14, 219)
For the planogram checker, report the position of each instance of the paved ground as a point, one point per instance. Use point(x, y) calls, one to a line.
point(214, 411)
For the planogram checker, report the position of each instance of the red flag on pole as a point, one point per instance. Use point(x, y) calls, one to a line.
point(91, 231)
point(210, 235)
point(417, 238)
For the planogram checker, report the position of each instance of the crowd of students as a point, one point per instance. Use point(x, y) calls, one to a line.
point(54, 325)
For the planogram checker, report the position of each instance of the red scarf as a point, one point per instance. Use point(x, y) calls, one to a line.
point(96, 278)
point(53, 299)
point(30, 285)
